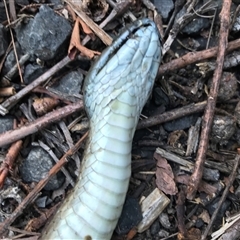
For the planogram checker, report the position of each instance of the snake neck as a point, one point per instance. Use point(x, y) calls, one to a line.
point(110, 140)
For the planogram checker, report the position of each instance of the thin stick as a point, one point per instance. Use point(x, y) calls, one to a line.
point(33, 127)
point(211, 102)
point(223, 198)
point(171, 115)
point(10, 102)
point(194, 57)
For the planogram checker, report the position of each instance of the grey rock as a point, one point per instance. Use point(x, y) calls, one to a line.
point(160, 97)
point(57, 4)
point(11, 59)
point(155, 228)
point(213, 205)
point(164, 7)
point(181, 123)
point(228, 86)
point(4, 40)
point(37, 165)
point(131, 215)
point(236, 25)
point(70, 83)
point(222, 129)
point(3, 16)
point(32, 72)
point(41, 202)
point(22, 2)
point(237, 192)
point(199, 223)
point(45, 35)
point(6, 123)
point(195, 25)
point(237, 137)
point(163, 233)
point(212, 175)
point(164, 220)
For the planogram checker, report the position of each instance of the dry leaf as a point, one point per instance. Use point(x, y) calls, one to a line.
point(71, 12)
point(164, 176)
point(86, 29)
point(205, 216)
point(76, 43)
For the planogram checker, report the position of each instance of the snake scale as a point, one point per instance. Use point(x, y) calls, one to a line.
point(115, 90)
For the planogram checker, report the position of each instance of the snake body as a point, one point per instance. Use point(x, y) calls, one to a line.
point(115, 91)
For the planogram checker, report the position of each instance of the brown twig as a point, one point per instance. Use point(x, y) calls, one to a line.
point(118, 9)
point(98, 31)
point(194, 57)
point(17, 134)
point(211, 102)
point(181, 213)
point(21, 233)
point(36, 223)
point(171, 115)
point(7, 164)
point(32, 195)
point(224, 195)
point(10, 102)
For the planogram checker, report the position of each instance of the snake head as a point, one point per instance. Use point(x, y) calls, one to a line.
point(129, 65)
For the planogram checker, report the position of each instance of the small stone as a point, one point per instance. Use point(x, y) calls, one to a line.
point(32, 72)
point(196, 25)
point(227, 87)
point(160, 98)
point(199, 223)
point(221, 213)
point(3, 16)
point(181, 123)
point(130, 217)
point(6, 123)
point(163, 234)
point(223, 128)
point(57, 4)
point(45, 35)
point(11, 59)
point(237, 113)
point(164, 220)
point(37, 165)
point(4, 40)
point(70, 84)
point(155, 228)
point(22, 2)
point(41, 202)
point(164, 7)
point(237, 192)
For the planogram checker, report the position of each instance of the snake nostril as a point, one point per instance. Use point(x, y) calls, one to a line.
point(88, 237)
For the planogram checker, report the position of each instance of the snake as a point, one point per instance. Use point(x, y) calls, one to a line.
point(115, 91)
